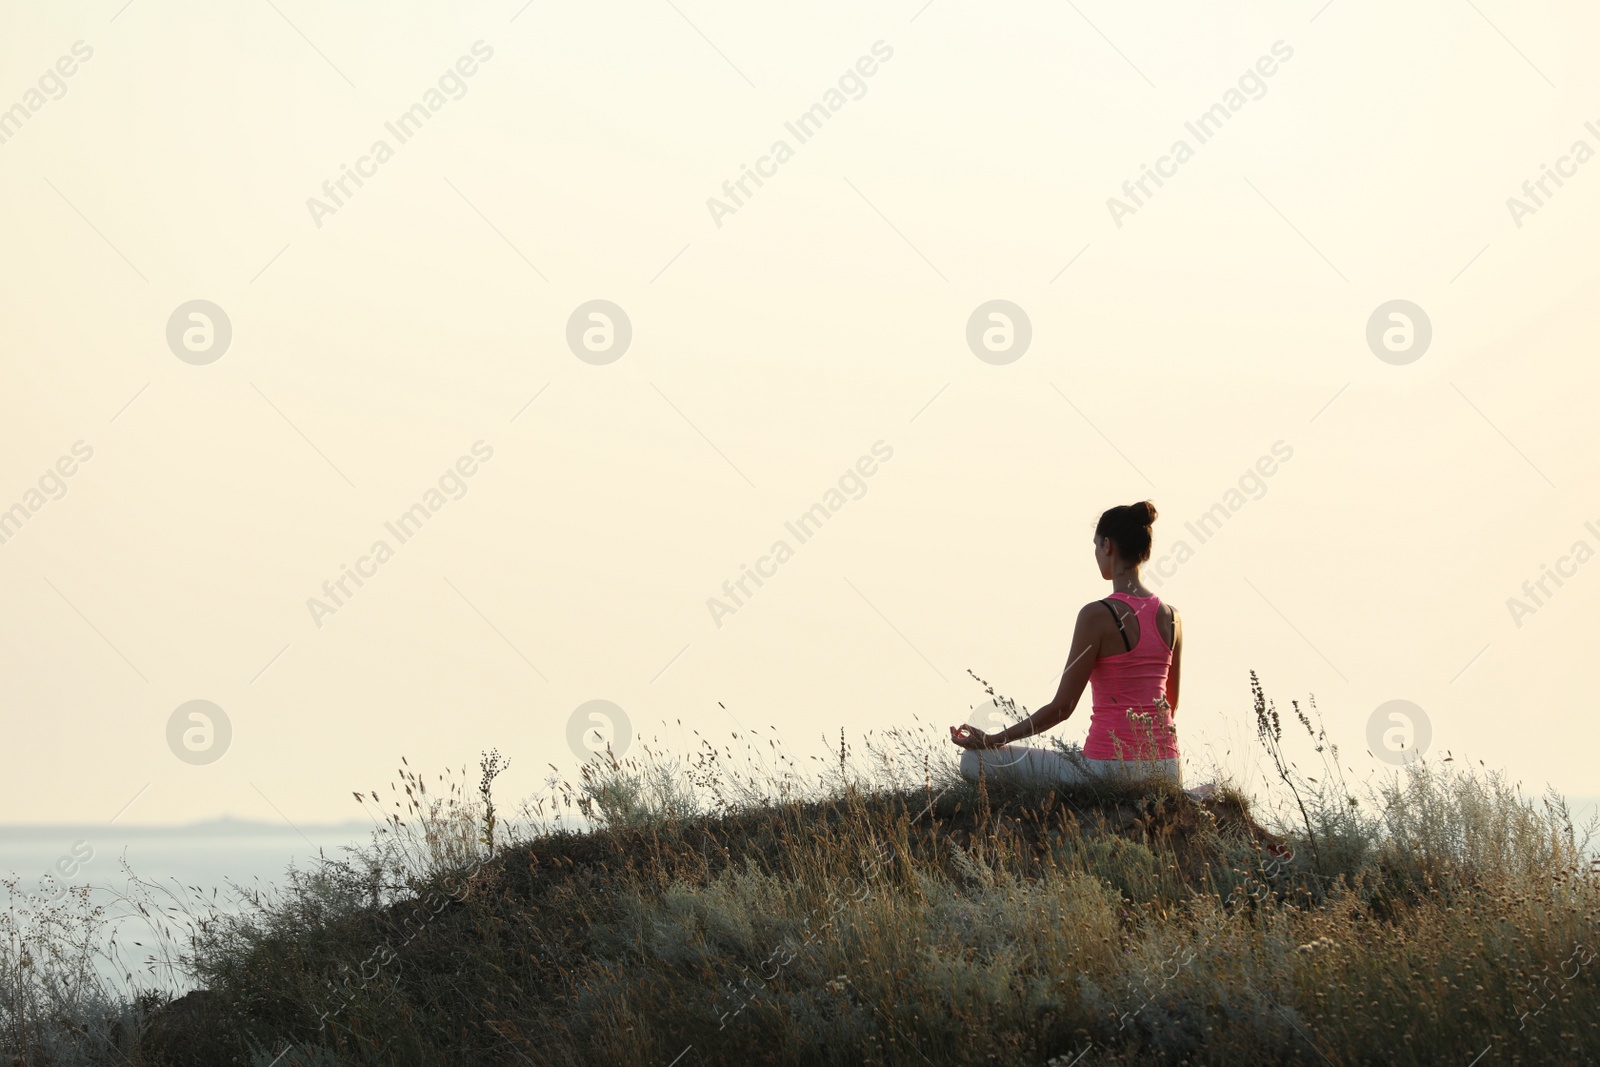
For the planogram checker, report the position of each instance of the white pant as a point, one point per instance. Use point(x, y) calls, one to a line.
point(1040, 766)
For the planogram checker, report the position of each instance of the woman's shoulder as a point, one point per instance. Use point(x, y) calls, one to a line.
point(1094, 614)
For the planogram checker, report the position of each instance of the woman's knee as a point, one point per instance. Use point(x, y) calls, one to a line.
point(993, 761)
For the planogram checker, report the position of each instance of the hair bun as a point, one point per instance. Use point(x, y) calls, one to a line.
point(1128, 527)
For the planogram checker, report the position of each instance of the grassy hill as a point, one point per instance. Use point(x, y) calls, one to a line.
point(867, 919)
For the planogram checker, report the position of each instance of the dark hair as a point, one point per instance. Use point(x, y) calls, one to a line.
point(1128, 526)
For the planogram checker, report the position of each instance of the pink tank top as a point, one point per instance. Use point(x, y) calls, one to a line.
point(1131, 719)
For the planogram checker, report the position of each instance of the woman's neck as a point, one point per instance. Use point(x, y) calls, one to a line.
point(1127, 581)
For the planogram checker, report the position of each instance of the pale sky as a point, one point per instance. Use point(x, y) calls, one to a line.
point(569, 153)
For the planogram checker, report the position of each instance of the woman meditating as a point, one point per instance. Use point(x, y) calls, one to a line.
point(1128, 648)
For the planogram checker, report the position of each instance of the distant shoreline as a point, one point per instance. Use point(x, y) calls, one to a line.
point(202, 828)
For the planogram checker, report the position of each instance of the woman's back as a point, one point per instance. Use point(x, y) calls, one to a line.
point(1131, 717)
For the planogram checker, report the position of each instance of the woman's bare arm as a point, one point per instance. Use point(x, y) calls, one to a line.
point(1174, 671)
point(1087, 635)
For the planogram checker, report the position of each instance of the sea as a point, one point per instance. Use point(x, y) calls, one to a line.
point(172, 870)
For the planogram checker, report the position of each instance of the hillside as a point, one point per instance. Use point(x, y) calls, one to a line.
point(948, 924)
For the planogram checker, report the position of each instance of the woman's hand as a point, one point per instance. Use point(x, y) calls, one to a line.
point(972, 737)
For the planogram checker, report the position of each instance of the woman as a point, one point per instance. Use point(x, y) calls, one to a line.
point(1128, 647)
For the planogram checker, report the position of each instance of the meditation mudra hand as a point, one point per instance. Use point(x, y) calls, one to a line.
point(969, 736)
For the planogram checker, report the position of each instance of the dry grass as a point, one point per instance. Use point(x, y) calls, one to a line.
point(889, 913)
